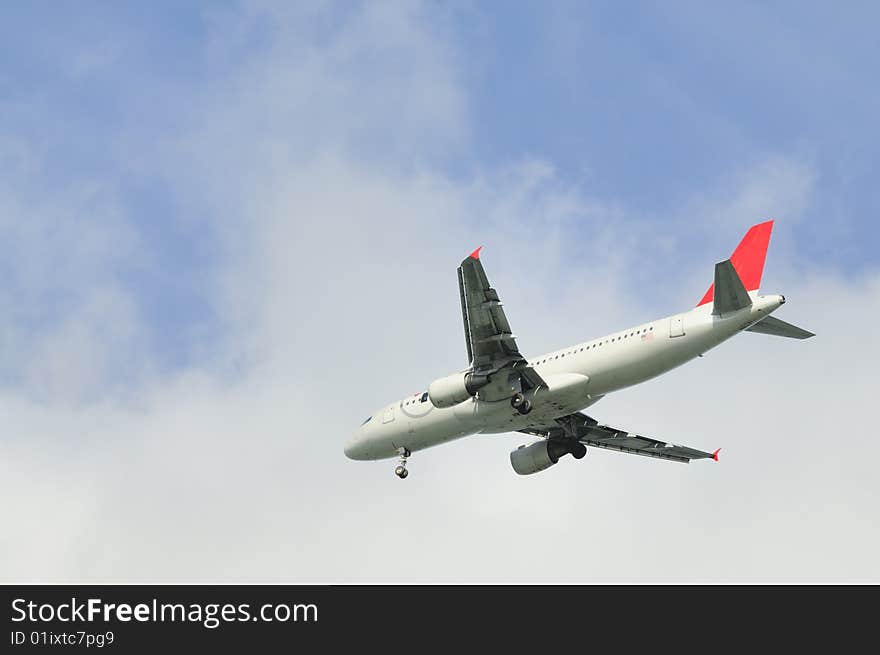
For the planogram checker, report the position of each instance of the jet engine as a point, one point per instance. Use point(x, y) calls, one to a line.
point(455, 388)
point(543, 454)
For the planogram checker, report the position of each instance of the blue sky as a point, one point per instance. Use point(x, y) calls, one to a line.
point(643, 102)
point(635, 104)
point(210, 215)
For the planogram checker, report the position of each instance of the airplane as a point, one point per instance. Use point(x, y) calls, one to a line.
point(543, 396)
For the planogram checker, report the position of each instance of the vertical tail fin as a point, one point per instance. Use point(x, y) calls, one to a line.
point(748, 259)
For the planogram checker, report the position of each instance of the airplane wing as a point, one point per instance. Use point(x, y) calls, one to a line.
point(588, 431)
point(491, 345)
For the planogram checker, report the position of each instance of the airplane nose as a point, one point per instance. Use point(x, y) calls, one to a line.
point(355, 447)
point(350, 447)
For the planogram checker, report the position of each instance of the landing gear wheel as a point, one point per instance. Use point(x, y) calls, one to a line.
point(401, 471)
point(525, 408)
point(578, 450)
point(517, 401)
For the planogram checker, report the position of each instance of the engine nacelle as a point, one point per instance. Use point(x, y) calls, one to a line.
point(537, 457)
point(455, 388)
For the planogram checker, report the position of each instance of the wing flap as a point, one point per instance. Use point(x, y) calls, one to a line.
point(602, 436)
point(645, 452)
point(464, 316)
point(590, 433)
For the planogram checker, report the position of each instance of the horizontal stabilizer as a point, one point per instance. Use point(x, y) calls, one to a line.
point(774, 326)
point(730, 294)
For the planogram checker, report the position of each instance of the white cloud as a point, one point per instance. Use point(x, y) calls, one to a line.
point(68, 326)
point(773, 187)
point(338, 294)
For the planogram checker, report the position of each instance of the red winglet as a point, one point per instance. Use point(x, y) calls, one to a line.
point(476, 253)
point(715, 454)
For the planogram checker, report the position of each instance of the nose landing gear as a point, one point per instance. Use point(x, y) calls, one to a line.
point(401, 471)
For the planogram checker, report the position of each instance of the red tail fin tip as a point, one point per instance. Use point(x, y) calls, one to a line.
point(715, 454)
point(748, 258)
point(476, 253)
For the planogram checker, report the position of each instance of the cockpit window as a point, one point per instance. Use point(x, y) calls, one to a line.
point(424, 397)
point(367, 420)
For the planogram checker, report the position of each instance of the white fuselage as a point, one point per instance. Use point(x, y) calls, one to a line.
point(576, 377)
